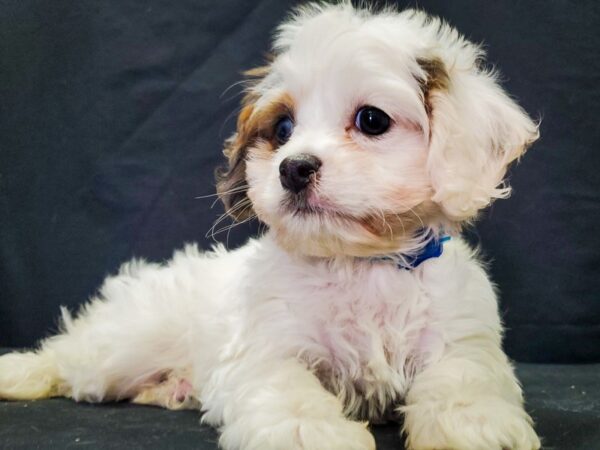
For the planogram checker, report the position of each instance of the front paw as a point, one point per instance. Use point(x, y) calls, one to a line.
point(484, 424)
point(290, 433)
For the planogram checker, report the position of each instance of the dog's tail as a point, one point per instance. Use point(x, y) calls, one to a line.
point(29, 376)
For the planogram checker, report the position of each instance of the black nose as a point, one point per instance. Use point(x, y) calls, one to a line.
point(295, 171)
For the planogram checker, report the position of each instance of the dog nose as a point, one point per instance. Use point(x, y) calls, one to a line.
point(295, 171)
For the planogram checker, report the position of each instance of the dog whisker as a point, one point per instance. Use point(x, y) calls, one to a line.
point(230, 191)
point(239, 207)
point(235, 84)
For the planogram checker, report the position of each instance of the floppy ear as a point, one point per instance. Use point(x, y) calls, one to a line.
point(232, 186)
point(476, 131)
point(231, 180)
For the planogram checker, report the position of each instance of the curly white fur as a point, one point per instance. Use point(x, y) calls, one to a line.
point(290, 341)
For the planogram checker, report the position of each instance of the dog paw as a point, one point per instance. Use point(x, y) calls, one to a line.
point(299, 434)
point(171, 391)
point(339, 435)
point(29, 376)
point(487, 424)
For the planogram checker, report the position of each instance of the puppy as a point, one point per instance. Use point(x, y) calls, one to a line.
point(365, 145)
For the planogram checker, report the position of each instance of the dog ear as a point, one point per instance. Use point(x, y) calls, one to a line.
point(232, 186)
point(231, 180)
point(476, 131)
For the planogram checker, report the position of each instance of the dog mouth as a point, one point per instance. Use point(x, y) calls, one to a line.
point(317, 209)
point(306, 203)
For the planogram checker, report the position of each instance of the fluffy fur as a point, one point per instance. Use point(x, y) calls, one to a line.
point(297, 339)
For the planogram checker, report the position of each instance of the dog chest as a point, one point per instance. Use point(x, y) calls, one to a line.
point(360, 330)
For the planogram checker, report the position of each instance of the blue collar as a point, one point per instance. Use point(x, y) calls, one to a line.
point(433, 249)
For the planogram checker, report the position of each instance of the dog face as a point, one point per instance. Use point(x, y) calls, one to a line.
point(368, 131)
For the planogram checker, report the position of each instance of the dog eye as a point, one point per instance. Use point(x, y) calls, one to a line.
point(283, 129)
point(372, 121)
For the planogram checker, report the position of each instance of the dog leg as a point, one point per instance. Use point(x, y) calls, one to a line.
point(274, 405)
point(29, 376)
point(469, 400)
point(172, 391)
point(140, 325)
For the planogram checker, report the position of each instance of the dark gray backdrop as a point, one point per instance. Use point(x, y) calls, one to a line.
point(112, 118)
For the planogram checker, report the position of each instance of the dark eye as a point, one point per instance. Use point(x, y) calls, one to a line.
point(283, 129)
point(372, 121)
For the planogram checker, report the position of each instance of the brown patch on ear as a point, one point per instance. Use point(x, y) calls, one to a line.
point(257, 72)
point(231, 180)
point(260, 71)
point(437, 78)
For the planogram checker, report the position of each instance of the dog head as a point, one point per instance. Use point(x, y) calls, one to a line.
point(368, 131)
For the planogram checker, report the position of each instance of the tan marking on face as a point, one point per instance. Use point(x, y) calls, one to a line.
point(263, 120)
point(254, 135)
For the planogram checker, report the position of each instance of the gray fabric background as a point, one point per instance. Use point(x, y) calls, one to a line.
point(111, 123)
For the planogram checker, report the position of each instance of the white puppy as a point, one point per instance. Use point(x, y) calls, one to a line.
point(366, 141)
